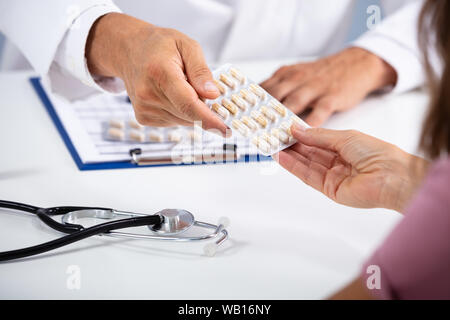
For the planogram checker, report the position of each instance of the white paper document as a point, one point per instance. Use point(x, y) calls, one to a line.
point(84, 122)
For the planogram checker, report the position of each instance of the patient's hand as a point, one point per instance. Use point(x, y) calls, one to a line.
point(354, 169)
point(331, 84)
point(164, 71)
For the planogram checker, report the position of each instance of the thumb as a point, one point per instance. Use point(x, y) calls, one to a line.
point(197, 71)
point(327, 139)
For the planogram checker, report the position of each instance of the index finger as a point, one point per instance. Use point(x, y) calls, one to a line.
point(186, 100)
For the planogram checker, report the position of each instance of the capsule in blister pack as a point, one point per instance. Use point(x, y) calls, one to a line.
point(251, 112)
point(131, 131)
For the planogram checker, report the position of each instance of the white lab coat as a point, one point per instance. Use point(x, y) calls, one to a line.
point(52, 33)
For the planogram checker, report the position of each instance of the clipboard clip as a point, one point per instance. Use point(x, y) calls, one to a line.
point(228, 153)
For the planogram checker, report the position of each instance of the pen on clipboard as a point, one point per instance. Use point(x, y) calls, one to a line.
point(228, 153)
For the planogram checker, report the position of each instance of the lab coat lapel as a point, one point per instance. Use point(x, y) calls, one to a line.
point(270, 20)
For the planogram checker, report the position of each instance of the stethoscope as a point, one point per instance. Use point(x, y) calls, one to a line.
point(166, 225)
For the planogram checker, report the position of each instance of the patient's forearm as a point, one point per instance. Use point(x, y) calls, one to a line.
point(353, 291)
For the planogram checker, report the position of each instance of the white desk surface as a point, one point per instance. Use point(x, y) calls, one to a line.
point(287, 240)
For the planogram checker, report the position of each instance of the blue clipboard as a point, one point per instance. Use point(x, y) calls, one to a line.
point(36, 83)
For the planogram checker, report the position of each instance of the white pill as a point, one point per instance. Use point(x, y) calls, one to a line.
point(243, 129)
point(137, 136)
point(175, 136)
point(286, 126)
point(228, 81)
point(248, 96)
point(281, 135)
point(115, 123)
point(259, 117)
point(135, 125)
point(155, 136)
point(116, 134)
point(237, 75)
point(261, 145)
point(230, 106)
point(258, 91)
point(278, 107)
point(274, 142)
point(239, 102)
point(250, 123)
point(221, 111)
point(271, 115)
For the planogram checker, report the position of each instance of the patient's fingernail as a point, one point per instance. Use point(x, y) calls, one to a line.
point(211, 87)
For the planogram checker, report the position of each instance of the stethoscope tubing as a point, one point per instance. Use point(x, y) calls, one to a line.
point(77, 233)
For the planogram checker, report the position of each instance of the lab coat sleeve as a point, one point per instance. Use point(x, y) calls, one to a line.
point(71, 58)
point(395, 40)
point(42, 31)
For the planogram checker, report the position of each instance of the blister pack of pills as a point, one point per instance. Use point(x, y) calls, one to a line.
point(251, 112)
point(131, 131)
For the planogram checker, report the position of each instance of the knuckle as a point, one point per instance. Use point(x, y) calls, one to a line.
point(138, 108)
point(141, 119)
point(302, 96)
point(153, 119)
point(352, 133)
point(142, 93)
point(156, 72)
point(187, 108)
point(300, 73)
point(348, 137)
point(280, 71)
point(319, 131)
point(328, 105)
point(283, 69)
point(276, 92)
point(195, 44)
point(170, 33)
point(200, 71)
point(161, 123)
point(160, 78)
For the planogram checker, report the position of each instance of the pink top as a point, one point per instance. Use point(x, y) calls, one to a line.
point(414, 261)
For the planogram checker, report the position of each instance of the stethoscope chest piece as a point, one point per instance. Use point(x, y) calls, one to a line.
point(174, 221)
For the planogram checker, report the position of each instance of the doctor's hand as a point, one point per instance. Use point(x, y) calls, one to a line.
point(164, 71)
point(354, 169)
point(335, 83)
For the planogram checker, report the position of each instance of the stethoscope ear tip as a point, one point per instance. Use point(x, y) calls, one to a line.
point(224, 221)
point(210, 249)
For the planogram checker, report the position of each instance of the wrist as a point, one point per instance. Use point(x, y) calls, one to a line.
point(414, 172)
point(379, 73)
point(108, 46)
